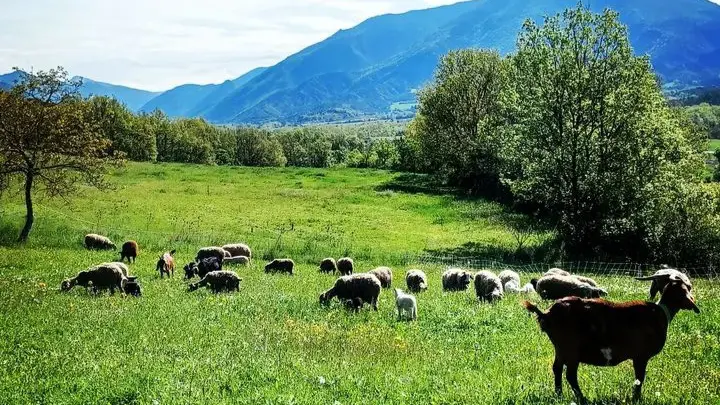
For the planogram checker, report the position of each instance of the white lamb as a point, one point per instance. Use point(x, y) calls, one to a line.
point(406, 305)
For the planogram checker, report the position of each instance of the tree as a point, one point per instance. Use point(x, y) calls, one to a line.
point(128, 133)
point(48, 140)
point(460, 116)
point(593, 132)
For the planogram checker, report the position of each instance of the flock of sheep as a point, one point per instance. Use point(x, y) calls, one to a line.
point(581, 327)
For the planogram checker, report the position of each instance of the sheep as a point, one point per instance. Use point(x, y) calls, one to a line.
point(129, 250)
point(101, 277)
point(659, 278)
point(509, 275)
point(602, 333)
point(212, 251)
point(416, 280)
point(132, 287)
point(345, 266)
point(488, 286)
point(328, 265)
point(238, 249)
point(556, 272)
point(98, 242)
point(586, 280)
point(218, 281)
point(241, 260)
point(280, 265)
point(454, 279)
point(354, 304)
point(191, 269)
point(364, 286)
point(121, 266)
point(384, 274)
point(166, 264)
point(554, 287)
point(207, 265)
point(406, 305)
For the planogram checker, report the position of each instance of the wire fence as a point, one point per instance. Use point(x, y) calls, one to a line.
point(270, 237)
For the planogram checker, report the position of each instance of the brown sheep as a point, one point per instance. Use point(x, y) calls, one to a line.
point(280, 265)
point(328, 265)
point(130, 251)
point(98, 242)
point(384, 274)
point(345, 266)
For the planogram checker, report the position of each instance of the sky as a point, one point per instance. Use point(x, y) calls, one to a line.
point(159, 44)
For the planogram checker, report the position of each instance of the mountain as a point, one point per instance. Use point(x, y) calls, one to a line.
point(190, 100)
point(133, 98)
point(383, 60)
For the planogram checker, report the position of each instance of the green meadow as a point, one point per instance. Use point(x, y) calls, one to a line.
point(272, 342)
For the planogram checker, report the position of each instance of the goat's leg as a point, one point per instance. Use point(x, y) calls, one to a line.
point(572, 369)
point(640, 365)
point(557, 371)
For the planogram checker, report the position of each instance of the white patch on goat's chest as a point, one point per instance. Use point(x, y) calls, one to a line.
point(607, 353)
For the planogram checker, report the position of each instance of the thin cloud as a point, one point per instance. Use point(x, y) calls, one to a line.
point(159, 44)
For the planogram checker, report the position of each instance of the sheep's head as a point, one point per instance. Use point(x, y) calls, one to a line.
point(466, 279)
point(67, 284)
point(193, 287)
point(191, 270)
point(324, 298)
point(534, 281)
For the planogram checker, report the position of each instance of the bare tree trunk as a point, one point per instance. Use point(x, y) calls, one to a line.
point(30, 216)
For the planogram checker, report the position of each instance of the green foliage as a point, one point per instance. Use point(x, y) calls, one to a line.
point(258, 148)
point(128, 133)
point(459, 117)
point(49, 141)
point(707, 117)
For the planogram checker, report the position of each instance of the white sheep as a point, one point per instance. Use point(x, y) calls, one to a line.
point(238, 249)
point(554, 287)
point(508, 276)
point(488, 286)
point(241, 260)
point(406, 305)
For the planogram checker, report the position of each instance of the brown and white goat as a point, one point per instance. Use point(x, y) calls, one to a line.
point(603, 333)
point(166, 264)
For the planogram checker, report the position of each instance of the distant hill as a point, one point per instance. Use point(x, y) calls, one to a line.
point(191, 100)
point(384, 59)
point(133, 98)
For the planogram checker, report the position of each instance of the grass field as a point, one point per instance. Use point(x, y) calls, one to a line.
point(714, 144)
point(273, 342)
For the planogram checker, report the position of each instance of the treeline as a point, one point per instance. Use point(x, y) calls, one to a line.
point(155, 137)
point(706, 117)
point(574, 129)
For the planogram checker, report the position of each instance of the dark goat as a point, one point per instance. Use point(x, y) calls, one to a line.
point(207, 265)
point(191, 269)
point(602, 333)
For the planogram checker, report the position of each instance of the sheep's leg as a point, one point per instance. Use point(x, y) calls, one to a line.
point(557, 371)
point(374, 303)
point(572, 369)
point(414, 313)
point(640, 365)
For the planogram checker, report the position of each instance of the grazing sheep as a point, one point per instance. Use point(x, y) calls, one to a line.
point(121, 266)
point(456, 279)
point(191, 269)
point(281, 266)
point(212, 251)
point(586, 280)
point(384, 274)
point(416, 280)
point(166, 264)
point(238, 249)
point(106, 276)
point(556, 272)
point(488, 286)
point(364, 286)
point(218, 281)
point(345, 266)
point(554, 287)
point(129, 250)
point(132, 287)
point(406, 305)
point(207, 265)
point(241, 260)
point(328, 265)
point(603, 333)
point(98, 242)
point(660, 279)
point(508, 275)
point(354, 304)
